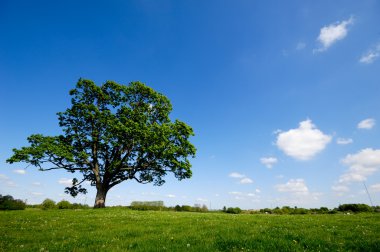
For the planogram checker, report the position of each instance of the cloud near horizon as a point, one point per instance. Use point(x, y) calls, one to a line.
point(304, 142)
point(294, 186)
point(332, 33)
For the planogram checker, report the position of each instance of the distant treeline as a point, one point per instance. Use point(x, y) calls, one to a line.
point(345, 208)
point(159, 206)
point(7, 202)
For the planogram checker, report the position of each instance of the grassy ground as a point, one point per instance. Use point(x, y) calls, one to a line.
point(126, 230)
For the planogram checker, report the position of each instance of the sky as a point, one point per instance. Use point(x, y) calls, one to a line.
point(283, 96)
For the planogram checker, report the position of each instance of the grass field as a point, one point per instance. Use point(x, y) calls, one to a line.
point(116, 229)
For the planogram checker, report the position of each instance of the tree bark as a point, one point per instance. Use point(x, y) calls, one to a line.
point(100, 200)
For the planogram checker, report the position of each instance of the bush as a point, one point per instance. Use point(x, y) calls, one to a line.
point(79, 206)
point(64, 204)
point(356, 208)
point(48, 204)
point(233, 210)
point(7, 202)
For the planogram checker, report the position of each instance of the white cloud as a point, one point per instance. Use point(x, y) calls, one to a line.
point(304, 142)
point(36, 183)
point(371, 55)
point(20, 171)
point(268, 161)
point(332, 33)
point(170, 196)
point(236, 175)
point(294, 186)
point(242, 178)
point(340, 188)
point(65, 181)
point(367, 123)
point(375, 188)
point(344, 141)
point(246, 181)
point(361, 165)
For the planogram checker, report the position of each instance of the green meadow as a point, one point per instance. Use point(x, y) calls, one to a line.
point(120, 229)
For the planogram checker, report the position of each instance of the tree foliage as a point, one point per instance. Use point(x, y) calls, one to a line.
point(113, 133)
point(7, 202)
point(48, 204)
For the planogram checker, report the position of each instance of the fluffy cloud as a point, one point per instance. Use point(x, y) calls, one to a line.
point(304, 142)
point(268, 161)
point(367, 123)
point(246, 181)
point(236, 175)
point(361, 165)
point(371, 55)
point(242, 178)
point(170, 196)
point(65, 181)
point(332, 33)
point(344, 141)
point(21, 172)
point(294, 186)
point(36, 183)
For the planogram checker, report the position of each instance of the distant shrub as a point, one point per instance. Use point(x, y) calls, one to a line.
point(158, 203)
point(147, 205)
point(233, 210)
point(79, 206)
point(48, 204)
point(7, 202)
point(64, 204)
point(356, 208)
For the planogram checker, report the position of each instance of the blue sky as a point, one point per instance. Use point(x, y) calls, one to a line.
point(283, 96)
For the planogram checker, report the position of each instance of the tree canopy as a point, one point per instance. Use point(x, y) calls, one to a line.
point(113, 133)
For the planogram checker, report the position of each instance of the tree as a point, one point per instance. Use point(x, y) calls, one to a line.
point(48, 204)
point(7, 202)
point(113, 133)
point(64, 204)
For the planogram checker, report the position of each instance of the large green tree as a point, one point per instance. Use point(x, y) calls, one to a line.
point(113, 133)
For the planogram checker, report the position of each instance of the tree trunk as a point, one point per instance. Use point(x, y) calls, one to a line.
point(100, 200)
